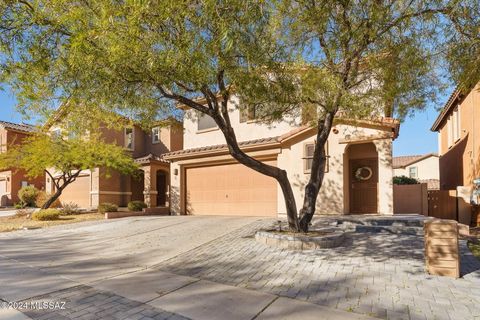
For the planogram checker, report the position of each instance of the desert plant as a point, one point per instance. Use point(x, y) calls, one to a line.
point(43, 197)
point(70, 208)
point(136, 205)
point(107, 207)
point(19, 205)
point(28, 195)
point(404, 180)
point(46, 215)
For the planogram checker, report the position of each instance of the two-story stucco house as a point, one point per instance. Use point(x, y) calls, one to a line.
point(13, 179)
point(458, 126)
point(424, 168)
point(151, 185)
point(205, 180)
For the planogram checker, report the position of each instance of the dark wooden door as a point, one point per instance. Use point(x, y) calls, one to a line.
point(161, 189)
point(363, 185)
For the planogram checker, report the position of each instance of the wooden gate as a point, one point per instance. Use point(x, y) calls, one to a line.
point(442, 204)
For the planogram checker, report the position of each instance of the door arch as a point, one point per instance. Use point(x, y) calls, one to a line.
point(363, 178)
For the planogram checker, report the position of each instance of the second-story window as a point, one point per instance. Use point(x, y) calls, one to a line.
point(412, 172)
point(205, 122)
point(156, 135)
point(129, 138)
point(57, 133)
point(309, 150)
point(248, 114)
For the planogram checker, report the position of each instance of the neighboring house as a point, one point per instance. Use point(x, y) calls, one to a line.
point(12, 180)
point(458, 126)
point(421, 167)
point(205, 180)
point(151, 185)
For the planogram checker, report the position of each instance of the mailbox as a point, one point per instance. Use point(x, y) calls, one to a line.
point(441, 248)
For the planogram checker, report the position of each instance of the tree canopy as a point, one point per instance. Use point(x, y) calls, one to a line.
point(63, 160)
point(360, 58)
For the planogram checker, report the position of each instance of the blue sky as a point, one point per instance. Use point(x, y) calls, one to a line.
point(415, 135)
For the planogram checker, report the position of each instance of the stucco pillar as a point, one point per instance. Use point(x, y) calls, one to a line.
point(385, 176)
point(150, 186)
point(174, 192)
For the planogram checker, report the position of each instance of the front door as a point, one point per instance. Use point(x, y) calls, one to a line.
point(363, 185)
point(161, 189)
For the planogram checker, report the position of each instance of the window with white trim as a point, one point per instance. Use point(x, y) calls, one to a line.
point(129, 138)
point(412, 172)
point(205, 122)
point(308, 152)
point(156, 135)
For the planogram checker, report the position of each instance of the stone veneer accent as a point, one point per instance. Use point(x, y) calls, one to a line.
point(301, 241)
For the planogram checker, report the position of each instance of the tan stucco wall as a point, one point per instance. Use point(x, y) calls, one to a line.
point(460, 163)
point(332, 198)
point(244, 131)
point(14, 178)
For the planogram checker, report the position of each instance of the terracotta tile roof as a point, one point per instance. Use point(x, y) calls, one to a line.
point(150, 157)
point(403, 161)
point(256, 142)
point(17, 126)
point(432, 184)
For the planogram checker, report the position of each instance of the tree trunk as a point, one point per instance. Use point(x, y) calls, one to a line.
point(271, 171)
point(68, 178)
point(317, 173)
point(54, 197)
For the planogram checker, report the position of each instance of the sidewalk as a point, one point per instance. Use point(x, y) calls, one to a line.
point(154, 294)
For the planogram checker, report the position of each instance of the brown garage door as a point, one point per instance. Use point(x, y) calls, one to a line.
point(231, 189)
point(78, 192)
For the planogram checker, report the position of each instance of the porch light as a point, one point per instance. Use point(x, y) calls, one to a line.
point(175, 172)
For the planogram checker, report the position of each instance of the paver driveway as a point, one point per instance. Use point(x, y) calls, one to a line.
point(192, 267)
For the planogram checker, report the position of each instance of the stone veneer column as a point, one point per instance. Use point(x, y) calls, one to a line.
point(150, 186)
point(385, 176)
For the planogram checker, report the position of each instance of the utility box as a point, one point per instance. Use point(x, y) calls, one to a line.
point(442, 256)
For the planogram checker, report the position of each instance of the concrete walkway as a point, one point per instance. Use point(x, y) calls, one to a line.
point(212, 268)
point(106, 271)
point(7, 212)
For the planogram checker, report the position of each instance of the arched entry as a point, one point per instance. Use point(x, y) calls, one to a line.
point(162, 184)
point(363, 178)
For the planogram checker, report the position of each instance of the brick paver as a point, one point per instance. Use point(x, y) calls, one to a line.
point(376, 274)
point(85, 302)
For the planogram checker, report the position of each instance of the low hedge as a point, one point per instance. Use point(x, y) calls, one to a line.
point(107, 207)
point(136, 205)
point(46, 215)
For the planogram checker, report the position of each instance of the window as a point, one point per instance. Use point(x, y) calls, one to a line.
point(412, 172)
point(309, 150)
point(156, 135)
point(129, 138)
point(205, 122)
point(24, 184)
point(250, 113)
point(57, 133)
point(453, 124)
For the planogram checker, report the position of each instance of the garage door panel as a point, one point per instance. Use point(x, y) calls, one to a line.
point(231, 189)
point(78, 192)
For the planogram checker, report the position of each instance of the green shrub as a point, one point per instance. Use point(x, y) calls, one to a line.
point(46, 215)
point(70, 208)
point(136, 205)
point(42, 197)
point(28, 195)
point(19, 205)
point(107, 207)
point(404, 180)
